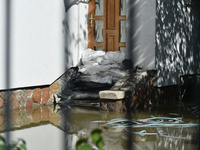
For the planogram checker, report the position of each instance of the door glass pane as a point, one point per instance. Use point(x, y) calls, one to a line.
point(98, 48)
point(122, 49)
point(98, 7)
point(123, 8)
point(98, 31)
point(123, 31)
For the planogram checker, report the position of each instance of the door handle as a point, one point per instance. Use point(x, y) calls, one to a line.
point(91, 20)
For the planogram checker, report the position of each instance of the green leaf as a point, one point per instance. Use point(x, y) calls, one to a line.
point(2, 147)
point(81, 141)
point(84, 147)
point(100, 144)
point(97, 138)
point(96, 135)
point(82, 144)
point(23, 146)
point(2, 139)
point(18, 148)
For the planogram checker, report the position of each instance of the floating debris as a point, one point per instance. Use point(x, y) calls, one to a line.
point(149, 122)
point(123, 121)
point(163, 120)
point(153, 126)
point(144, 133)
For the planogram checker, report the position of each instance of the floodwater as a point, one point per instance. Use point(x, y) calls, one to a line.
point(173, 127)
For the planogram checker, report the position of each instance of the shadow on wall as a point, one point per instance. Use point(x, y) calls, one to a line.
point(75, 30)
point(141, 32)
point(177, 40)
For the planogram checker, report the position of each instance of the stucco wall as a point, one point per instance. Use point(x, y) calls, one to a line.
point(76, 33)
point(177, 40)
point(2, 44)
point(36, 42)
point(141, 32)
point(45, 40)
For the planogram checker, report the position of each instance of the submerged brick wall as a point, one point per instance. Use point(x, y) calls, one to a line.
point(26, 97)
point(42, 95)
point(34, 116)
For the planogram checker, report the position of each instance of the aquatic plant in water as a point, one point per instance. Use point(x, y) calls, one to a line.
point(97, 139)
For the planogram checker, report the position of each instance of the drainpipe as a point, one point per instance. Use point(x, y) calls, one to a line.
point(7, 70)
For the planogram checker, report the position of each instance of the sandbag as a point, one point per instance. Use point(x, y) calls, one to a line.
point(102, 61)
point(102, 66)
point(90, 54)
point(94, 69)
point(117, 56)
point(99, 79)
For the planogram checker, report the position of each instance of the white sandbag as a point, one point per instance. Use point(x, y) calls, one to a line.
point(100, 66)
point(99, 79)
point(102, 60)
point(115, 56)
point(90, 54)
point(114, 76)
point(112, 72)
point(116, 72)
point(89, 63)
point(82, 70)
point(115, 66)
point(97, 68)
point(88, 70)
point(93, 69)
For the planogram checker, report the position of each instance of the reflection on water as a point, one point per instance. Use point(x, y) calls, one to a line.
point(43, 137)
point(154, 129)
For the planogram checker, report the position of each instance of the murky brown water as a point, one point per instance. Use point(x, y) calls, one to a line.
point(44, 127)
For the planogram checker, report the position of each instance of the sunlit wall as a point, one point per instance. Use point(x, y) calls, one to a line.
point(76, 32)
point(45, 40)
point(177, 40)
point(37, 42)
point(141, 32)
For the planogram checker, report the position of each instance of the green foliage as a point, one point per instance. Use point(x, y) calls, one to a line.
point(82, 144)
point(20, 144)
point(97, 139)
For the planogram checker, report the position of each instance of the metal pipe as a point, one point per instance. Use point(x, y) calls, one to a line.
point(7, 70)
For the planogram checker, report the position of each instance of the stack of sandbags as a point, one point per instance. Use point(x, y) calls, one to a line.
point(100, 66)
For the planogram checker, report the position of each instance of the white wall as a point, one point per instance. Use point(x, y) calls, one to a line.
point(37, 42)
point(2, 44)
point(45, 40)
point(141, 32)
point(76, 31)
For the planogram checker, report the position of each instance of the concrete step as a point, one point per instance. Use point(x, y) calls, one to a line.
point(125, 87)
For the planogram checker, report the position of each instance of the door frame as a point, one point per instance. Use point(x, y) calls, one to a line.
point(106, 32)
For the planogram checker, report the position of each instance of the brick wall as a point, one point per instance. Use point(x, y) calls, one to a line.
point(26, 97)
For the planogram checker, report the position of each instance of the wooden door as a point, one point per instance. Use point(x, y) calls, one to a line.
point(107, 25)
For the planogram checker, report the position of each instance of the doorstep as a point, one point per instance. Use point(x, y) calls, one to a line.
point(124, 90)
point(125, 87)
